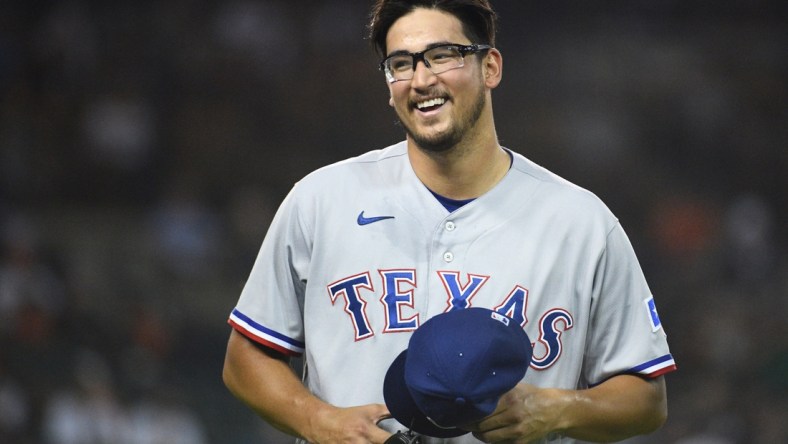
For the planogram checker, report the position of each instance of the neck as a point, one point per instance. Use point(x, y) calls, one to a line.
point(465, 171)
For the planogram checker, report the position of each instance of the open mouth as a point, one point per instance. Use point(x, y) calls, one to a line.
point(430, 104)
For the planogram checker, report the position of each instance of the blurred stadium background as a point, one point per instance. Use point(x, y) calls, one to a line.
point(144, 146)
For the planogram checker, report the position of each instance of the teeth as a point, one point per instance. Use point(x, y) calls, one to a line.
point(429, 103)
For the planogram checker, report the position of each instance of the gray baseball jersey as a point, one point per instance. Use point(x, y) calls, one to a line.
point(361, 253)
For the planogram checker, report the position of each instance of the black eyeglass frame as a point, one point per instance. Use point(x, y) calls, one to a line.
point(419, 56)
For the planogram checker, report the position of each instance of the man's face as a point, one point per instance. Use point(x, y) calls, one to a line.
point(437, 111)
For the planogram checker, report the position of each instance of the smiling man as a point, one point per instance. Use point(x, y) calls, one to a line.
point(446, 220)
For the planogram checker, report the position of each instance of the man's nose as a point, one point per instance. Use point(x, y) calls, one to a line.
point(422, 75)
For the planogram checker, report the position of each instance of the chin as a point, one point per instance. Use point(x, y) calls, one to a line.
point(435, 143)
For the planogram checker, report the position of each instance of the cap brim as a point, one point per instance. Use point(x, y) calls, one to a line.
point(404, 409)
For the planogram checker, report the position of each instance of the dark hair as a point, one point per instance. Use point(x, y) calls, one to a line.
point(477, 16)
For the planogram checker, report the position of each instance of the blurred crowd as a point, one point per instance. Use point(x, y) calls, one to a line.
point(145, 145)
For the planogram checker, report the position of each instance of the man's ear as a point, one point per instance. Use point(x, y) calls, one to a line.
point(391, 101)
point(492, 68)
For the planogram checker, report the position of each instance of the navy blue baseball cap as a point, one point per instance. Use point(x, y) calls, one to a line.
point(456, 367)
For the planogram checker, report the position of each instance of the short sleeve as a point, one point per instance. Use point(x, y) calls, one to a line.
point(626, 335)
point(270, 308)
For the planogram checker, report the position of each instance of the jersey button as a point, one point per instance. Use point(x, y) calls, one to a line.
point(448, 256)
point(450, 226)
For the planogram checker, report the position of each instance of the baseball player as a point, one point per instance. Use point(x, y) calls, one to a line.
point(364, 251)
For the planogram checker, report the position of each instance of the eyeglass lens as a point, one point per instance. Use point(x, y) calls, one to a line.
point(439, 59)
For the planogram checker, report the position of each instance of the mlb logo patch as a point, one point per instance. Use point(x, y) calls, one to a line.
point(500, 318)
point(656, 324)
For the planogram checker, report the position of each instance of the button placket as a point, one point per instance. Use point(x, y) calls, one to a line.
point(448, 227)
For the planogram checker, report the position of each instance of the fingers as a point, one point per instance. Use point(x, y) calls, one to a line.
point(379, 412)
point(491, 428)
point(375, 414)
point(512, 420)
point(351, 425)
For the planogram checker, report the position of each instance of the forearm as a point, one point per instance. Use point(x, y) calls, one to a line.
point(267, 384)
point(619, 408)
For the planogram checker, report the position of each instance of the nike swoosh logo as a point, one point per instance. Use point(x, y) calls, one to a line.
point(369, 220)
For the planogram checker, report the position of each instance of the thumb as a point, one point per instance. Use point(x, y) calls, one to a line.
point(379, 412)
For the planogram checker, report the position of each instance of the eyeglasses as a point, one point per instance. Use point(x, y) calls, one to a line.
point(438, 59)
